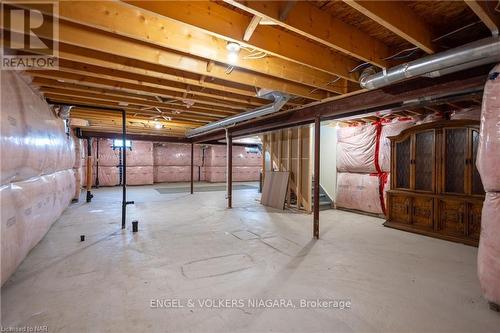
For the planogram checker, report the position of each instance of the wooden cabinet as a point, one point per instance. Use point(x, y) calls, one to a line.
point(435, 187)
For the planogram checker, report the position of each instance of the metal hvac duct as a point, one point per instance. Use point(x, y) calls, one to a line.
point(279, 100)
point(474, 54)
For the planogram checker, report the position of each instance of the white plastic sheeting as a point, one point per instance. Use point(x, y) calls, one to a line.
point(489, 248)
point(488, 155)
point(33, 141)
point(356, 149)
point(28, 210)
point(488, 159)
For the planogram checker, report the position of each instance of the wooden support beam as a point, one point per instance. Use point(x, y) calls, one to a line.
point(55, 86)
point(168, 33)
point(254, 23)
point(222, 22)
point(114, 48)
point(462, 85)
point(305, 19)
point(317, 137)
point(488, 12)
point(397, 17)
point(158, 86)
point(138, 137)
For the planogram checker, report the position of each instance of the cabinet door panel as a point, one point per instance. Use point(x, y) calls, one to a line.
point(422, 212)
point(403, 158)
point(477, 185)
point(399, 208)
point(424, 161)
point(452, 217)
point(474, 220)
point(455, 153)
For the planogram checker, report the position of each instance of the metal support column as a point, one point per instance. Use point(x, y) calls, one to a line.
point(229, 170)
point(89, 169)
point(317, 125)
point(124, 168)
point(192, 167)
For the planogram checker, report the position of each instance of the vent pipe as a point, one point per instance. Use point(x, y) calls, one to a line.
point(481, 52)
point(279, 100)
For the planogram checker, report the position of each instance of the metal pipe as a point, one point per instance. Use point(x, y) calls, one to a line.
point(477, 53)
point(279, 100)
point(124, 168)
point(317, 135)
point(192, 167)
point(89, 169)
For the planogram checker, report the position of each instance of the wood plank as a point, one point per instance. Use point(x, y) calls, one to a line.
point(225, 23)
point(159, 30)
point(487, 12)
point(319, 25)
point(114, 46)
point(275, 189)
point(397, 17)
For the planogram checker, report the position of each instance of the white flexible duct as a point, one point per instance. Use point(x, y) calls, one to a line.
point(279, 101)
point(474, 54)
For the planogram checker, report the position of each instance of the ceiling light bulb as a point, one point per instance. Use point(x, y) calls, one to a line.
point(232, 58)
point(233, 47)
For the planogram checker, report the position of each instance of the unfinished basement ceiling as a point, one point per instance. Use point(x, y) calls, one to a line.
point(168, 64)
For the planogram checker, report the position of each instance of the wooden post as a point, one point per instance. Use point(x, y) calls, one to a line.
point(317, 125)
point(229, 171)
point(192, 167)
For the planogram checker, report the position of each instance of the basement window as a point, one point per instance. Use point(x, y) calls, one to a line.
point(118, 143)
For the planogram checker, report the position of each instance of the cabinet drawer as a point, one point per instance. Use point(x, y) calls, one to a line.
point(452, 217)
point(422, 212)
point(474, 220)
point(399, 208)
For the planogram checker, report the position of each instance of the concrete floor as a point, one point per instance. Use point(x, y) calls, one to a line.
point(190, 247)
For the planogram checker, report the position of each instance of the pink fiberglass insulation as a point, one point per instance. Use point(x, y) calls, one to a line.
point(488, 155)
point(356, 149)
point(489, 248)
point(390, 129)
point(141, 154)
point(173, 173)
point(108, 157)
point(140, 175)
point(473, 113)
point(175, 154)
point(108, 176)
point(29, 208)
point(240, 174)
point(78, 182)
point(358, 191)
point(215, 156)
point(33, 141)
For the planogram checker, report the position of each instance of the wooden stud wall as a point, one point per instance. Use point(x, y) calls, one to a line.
point(290, 150)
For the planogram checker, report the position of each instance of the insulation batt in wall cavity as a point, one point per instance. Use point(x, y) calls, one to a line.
point(36, 170)
point(358, 191)
point(356, 149)
point(488, 160)
point(33, 141)
point(28, 210)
